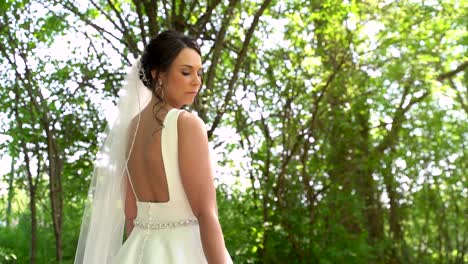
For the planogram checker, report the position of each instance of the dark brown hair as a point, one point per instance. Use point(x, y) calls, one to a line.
point(159, 54)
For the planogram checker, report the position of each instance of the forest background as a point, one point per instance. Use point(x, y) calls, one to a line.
point(340, 126)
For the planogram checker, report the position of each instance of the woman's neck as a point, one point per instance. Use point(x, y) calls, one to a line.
point(158, 103)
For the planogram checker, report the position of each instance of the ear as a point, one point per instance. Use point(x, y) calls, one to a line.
point(163, 77)
point(153, 73)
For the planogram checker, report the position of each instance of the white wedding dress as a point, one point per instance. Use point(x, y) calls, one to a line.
point(168, 232)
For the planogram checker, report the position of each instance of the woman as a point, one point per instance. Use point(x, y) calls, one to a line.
point(158, 183)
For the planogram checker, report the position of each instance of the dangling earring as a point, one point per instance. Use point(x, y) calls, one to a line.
point(162, 91)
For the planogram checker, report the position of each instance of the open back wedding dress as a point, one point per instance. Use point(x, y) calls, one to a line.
point(164, 232)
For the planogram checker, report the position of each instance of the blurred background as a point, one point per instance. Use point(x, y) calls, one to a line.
point(340, 127)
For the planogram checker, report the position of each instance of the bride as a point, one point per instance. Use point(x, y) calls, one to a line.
point(153, 175)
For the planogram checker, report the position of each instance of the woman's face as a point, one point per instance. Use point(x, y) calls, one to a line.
point(182, 81)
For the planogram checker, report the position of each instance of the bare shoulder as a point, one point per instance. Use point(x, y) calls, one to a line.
point(189, 122)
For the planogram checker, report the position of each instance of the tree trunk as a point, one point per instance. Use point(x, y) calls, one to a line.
point(56, 196)
point(10, 193)
point(32, 207)
point(396, 230)
point(366, 185)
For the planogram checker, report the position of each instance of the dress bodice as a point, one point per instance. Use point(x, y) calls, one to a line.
point(178, 207)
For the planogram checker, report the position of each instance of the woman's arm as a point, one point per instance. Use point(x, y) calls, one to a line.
point(197, 174)
point(130, 200)
point(130, 207)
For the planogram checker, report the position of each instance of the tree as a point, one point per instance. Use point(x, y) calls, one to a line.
point(350, 117)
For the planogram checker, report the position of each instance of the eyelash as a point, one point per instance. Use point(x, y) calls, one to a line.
point(188, 73)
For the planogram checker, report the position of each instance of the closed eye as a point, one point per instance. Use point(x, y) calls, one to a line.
point(188, 73)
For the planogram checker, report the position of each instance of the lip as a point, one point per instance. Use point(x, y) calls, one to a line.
point(193, 92)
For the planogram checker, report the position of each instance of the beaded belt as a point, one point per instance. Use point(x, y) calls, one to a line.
point(158, 225)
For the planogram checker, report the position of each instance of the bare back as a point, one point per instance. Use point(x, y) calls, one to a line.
point(145, 165)
point(190, 179)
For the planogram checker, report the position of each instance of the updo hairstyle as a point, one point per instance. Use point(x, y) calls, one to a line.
point(158, 55)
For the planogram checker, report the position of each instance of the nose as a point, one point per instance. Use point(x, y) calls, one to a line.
point(197, 80)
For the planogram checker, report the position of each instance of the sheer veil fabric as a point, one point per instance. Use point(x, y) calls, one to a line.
point(102, 226)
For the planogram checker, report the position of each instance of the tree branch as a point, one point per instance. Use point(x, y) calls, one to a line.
point(151, 11)
point(168, 17)
point(398, 119)
point(219, 43)
point(220, 111)
point(98, 7)
point(201, 22)
point(450, 74)
point(141, 22)
point(126, 32)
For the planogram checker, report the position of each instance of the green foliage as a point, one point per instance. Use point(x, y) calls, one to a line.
point(350, 118)
point(7, 256)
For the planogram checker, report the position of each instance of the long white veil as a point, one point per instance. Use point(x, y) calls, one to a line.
point(103, 222)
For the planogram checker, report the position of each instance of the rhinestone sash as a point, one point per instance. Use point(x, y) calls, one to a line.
point(159, 225)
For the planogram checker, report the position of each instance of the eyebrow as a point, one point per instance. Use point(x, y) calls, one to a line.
point(190, 66)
